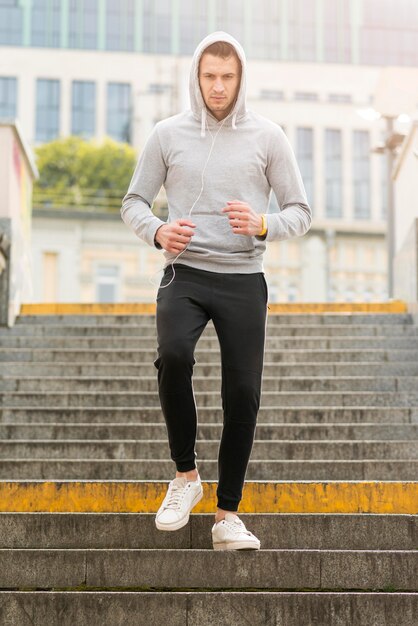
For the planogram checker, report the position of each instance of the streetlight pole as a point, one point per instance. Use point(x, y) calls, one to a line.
point(390, 230)
point(392, 141)
point(329, 243)
point(395, 96)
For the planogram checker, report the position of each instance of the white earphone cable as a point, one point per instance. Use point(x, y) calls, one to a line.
point(201, 190)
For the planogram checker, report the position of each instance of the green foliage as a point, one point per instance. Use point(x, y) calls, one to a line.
point(79, 174)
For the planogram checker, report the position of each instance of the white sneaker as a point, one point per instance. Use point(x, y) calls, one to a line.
point(231, 534)
point(182, 495)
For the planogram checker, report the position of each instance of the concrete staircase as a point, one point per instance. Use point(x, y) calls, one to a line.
point(332, 486)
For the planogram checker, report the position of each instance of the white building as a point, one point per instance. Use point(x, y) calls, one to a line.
point(123, 66)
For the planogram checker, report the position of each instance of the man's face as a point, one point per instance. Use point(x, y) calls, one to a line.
point(219, 81)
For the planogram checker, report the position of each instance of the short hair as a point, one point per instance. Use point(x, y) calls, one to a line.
point(222, 49)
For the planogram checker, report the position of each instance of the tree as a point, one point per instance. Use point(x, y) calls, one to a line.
point(75, 173)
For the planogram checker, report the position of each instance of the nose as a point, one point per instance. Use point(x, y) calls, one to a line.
point(218, 87)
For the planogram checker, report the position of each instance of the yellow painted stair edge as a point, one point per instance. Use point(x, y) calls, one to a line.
point(386, 497)
point(148, 308)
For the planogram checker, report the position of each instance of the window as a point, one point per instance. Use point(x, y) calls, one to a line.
point(46, 23)
point(389, 32)
point(367, 294)
point(107, 283)
point(158, 88)
point(119, 112)
point(157, 26)
point(361, 174)
point(230, 17)
point(47, 109)
point(305, 95)
point(350, 256)
point(83, 108)
point(120, 24)
point(302, 30)
point(50, 276)
point(304, 152)
point(273, 292)
point(271, 94)
point(82, 24)
point(11, 23)
point(341, 98)
point(333, 173)
point(8, 97)
point(192, 24)
point(330, 31)
point(265, 30)
point(293, 251)
point(292, 293)
point(349, 293)
point(369, 257)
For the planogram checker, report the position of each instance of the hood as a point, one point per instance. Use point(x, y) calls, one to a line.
point(198, 106)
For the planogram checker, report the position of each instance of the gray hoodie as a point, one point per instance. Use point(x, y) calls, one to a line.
point(251, 156)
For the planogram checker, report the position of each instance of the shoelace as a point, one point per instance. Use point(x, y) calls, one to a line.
point(237, 526)
point(175, 497)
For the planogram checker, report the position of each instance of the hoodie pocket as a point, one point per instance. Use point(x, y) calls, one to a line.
point(234, 241)
point(213, 233)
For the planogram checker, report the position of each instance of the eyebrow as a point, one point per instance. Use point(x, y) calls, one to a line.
point(226, 73)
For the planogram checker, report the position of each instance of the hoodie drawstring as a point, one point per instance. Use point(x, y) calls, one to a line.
point(202, 129)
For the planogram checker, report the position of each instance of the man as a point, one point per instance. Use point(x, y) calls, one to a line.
point(220, 236)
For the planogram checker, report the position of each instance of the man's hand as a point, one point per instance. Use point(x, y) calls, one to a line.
point(175, 236)
point(242, 218)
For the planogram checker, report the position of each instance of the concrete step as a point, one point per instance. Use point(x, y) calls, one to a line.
point(141, 356)
point(159, 450)
point(178, 608)
point(276, 531)
point(151, 469)
point(202, 383)
point(295, 319)
point(209, 343)
point(149, 330)
point(93, 530)
point(339, 418)
point(206, 383)
point(208, 569)
point(209, 415)
point(140, 370)
point(208, 398)
point(138, 430)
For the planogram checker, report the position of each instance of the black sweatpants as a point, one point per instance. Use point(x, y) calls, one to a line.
point(237, 304)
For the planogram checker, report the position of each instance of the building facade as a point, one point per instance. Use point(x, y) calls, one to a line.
point(100, 68)
point(358, 32)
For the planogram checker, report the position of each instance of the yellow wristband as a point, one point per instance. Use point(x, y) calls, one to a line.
point(264, 226)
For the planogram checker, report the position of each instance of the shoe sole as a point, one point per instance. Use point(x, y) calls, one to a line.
point(236, 545)
point(182, 522)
